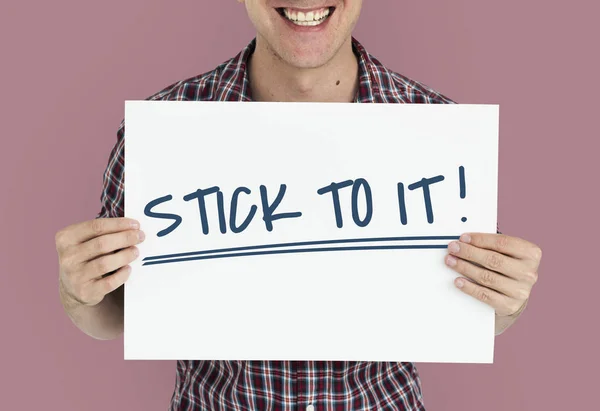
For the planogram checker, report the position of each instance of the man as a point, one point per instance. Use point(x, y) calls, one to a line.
point(303, 51)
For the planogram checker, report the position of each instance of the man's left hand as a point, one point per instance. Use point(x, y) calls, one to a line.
point(502, 269)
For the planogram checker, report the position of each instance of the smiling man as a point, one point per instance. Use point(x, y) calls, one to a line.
point(303, 51)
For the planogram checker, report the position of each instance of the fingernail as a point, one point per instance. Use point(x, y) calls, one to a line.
point(451, 261)
point(135, 224)
point(136, 252)
point(459, 282)
point(465, 238)
point(453, 247)
point(141, 235)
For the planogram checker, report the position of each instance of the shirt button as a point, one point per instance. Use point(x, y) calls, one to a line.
point(310, 407)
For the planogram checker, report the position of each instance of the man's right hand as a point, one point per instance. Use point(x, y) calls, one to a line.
point(88, 252)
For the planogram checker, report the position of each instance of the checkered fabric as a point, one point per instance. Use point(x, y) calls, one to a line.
point(283, 385)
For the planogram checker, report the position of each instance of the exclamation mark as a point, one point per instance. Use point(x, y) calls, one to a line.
point(463, 186)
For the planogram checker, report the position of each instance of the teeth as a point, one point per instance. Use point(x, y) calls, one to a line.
point(312, 18)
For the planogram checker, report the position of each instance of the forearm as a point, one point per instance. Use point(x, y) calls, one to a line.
point(502, 323)
point(103, 321)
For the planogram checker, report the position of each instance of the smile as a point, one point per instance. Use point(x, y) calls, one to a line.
point(311, 18)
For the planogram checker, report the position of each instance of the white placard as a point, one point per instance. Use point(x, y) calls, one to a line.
point(340, 259)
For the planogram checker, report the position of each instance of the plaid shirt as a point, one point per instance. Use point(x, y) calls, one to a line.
point(283, 385)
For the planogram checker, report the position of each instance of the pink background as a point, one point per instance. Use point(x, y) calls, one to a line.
point(68, 66)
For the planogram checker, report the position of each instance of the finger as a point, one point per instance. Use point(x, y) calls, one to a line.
point(108, 263)
point(108, 243)
point(488, 278)
point(489, 259)
point(111, 282)
point(81, 232)
point(504, 244)
point(502, 304)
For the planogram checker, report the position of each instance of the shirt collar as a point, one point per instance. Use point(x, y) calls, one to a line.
point(234, 84)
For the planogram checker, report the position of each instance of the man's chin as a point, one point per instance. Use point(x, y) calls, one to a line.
point(305, 58)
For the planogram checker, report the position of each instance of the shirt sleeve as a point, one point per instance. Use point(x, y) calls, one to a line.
point(113, 183)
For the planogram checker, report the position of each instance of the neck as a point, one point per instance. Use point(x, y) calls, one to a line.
point(272, 79)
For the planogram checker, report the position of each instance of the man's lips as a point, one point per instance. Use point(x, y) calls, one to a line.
point(301, 16)
point(305, 10)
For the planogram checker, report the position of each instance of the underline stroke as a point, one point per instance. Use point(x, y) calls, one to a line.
point(230, 252)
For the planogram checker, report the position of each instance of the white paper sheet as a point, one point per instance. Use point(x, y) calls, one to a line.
point(307, 289)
